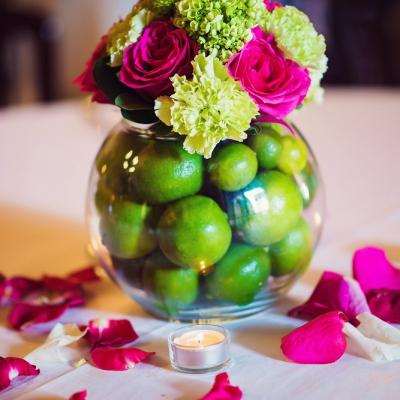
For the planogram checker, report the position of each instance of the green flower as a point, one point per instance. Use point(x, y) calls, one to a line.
point(207, 109)
point(163, 6)
point(299, 41)
point(126, 32)
point(221, 27)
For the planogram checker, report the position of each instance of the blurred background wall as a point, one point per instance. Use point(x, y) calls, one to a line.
point(45, 43)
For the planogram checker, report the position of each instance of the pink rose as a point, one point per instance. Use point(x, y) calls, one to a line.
point(271, 5)
point(162, 51)
point(86, 81)
point(276, 85)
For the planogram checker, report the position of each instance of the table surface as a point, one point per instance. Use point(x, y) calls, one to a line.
point(45, 157)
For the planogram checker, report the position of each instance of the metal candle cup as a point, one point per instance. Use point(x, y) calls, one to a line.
point(199, 348)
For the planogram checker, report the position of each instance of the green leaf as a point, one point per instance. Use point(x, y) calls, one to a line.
point(140, 116)
point(131, 102)
point(107, 79)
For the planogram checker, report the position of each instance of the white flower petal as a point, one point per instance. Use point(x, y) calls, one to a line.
point(373, 339)
point(56, 349)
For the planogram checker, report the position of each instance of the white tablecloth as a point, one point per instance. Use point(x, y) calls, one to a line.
point(45, 156)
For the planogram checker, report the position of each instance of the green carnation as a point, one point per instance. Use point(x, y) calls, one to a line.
point(208, 108)
point(221, 27)
point(163, 6)
point(126, 32)
point(299, 41)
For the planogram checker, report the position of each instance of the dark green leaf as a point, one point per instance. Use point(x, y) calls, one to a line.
point(130, 102)
point(107, 79)
point(140, 116)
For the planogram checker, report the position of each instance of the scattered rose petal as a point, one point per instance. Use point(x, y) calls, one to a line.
point(58, 284)
point(79, 396)
point(385, 304)
point(373, 270)
point(84, 275)
point(15, 289)
point(333, 293)
point(320, 341)
point(56, 347)
point(112, 359)
point(110, 332)
point(12, 367)
point(223, 390)
point(373, 339)
point(22, 315)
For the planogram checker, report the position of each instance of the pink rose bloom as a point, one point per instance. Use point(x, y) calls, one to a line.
point(271, 5)
point(276, 85)
point(162, 51)
point(86, 81)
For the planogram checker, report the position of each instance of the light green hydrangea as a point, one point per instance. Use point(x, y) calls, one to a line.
point(126, 32)
point(208, 108)
point(221, 27)
point(299, 41)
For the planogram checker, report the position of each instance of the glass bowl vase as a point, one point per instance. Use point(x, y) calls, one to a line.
point(196, 239)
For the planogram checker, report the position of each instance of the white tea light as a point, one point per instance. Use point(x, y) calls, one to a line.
point(199, 348)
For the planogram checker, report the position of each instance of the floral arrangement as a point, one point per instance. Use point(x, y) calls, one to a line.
point(193, 64)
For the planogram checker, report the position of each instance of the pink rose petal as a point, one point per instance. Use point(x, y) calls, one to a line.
point(223, 390)
point(373, 270)
point(12, 367)
point(22, 315)
point(320, 341)
point(109, 332)
point(79, 395)
point(58, 284)
point(333, 293)
point(84, 275)
point(271, 5)
point(112, 359)
point(86, 81)
point(385, 304)
point(15, 289)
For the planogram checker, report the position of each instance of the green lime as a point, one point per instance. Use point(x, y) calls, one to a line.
point(116, 162)
point(166, 172)
point(293, 157)
point(267, 145)
point(240, 274)
point(103, 197)
point(129, 270)
point(174, 286)
point(266, 210)
point(194, 232)
point(294, 251)
point(127, 231)
point(233, 167)
point(309, 177)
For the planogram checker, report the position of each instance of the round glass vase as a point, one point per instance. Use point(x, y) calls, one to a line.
point(200, 240)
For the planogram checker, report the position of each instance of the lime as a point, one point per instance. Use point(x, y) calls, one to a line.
point(129, 270)
point(166, 172)
point(293, 157)
point(174, 286)
point(233, 167)
point(103, 197)
point(127, 231)
point(267, 145)
point(267, 209)
point(309, 177)
point(294, 251)
point(116, 161)
point(194, 232)
point(240, 274)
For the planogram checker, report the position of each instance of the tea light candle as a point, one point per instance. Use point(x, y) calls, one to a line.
point(199, 348)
